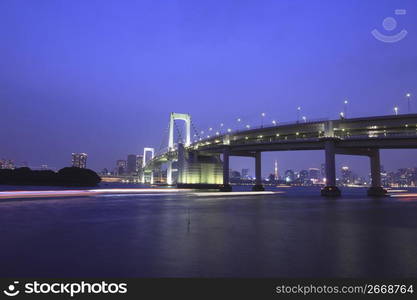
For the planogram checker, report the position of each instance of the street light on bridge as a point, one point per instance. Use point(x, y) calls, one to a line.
point(342, 115)
point(305, 119)
point(262, 119)
point(345, 104)
point(396, 110)
point(239, 120)
point(274, 122)
point(298, 114)
point(408, 96)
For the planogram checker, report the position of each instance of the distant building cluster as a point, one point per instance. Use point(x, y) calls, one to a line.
point(6, 164)
point(311, 176)
point(404, 177)
point(131, 166)
point(11, 165)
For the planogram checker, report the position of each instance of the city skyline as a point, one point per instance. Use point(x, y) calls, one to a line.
point(117, 79)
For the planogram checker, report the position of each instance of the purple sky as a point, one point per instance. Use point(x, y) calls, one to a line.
point(102, 76)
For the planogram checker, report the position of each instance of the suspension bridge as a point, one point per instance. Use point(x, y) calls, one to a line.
point(203, 162)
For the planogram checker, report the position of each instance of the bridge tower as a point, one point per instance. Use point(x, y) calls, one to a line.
point(146, 150)
point(187, 119)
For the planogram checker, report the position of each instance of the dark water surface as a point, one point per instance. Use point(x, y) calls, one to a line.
point(295, 234)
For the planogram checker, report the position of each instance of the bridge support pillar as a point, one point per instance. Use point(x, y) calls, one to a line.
point(226, 187)
point(330, 190)
point(376, 189)
point(258, 173)
point(169, 173)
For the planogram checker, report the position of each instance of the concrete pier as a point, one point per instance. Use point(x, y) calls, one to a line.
point(169, 173)
point(330, 190)
point(226, 187)
point(376, 189)
point(258, 173)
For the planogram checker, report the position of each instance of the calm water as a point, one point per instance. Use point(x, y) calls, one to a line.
point(296, 234)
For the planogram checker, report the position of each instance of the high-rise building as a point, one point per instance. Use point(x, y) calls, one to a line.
point(139, 161)
point(245, 173)
point(132, 164)
point(314, 173)
point(276, 174)
point(303, 176)
point(289, 176)
point(79, 160)
point(347, 176)
point(121, 167)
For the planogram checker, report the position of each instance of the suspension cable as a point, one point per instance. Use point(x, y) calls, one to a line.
point(163, 139)
point(196, 133)
point(178, 132)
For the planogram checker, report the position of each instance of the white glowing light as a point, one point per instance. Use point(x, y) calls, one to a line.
point(248, 193)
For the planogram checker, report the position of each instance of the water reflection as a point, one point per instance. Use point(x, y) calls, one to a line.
point(291, 234)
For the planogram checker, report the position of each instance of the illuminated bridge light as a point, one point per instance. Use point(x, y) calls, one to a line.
point(247, 126)
point(248, 138)
point(277, 134)
point(217, 133)
point(297, 133)
point(261, 136)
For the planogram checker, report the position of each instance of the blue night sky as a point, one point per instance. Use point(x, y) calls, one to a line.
point(102, 76)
